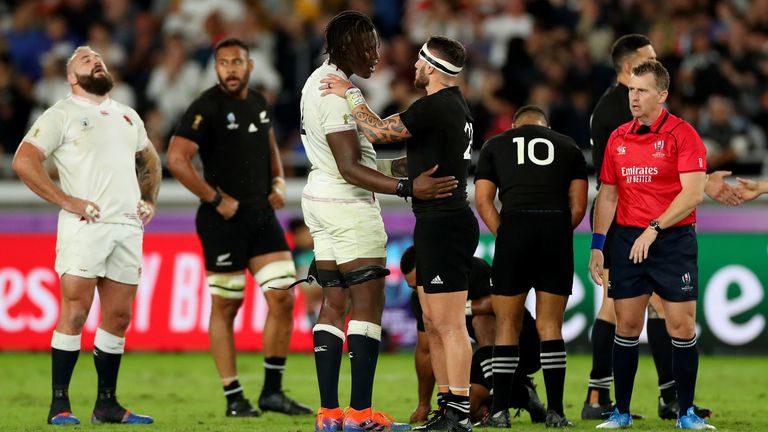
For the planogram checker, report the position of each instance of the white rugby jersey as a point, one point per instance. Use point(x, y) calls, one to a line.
point(321, 115)
point(94, 148)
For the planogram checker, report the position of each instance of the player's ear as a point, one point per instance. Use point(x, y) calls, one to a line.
point(663, 96)
point(250, 65)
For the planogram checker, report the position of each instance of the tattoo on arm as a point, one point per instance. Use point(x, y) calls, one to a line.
point(380, 131)
point(148, 173)
point(400, 167)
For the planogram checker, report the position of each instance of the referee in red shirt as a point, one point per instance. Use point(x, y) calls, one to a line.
point(653, 178)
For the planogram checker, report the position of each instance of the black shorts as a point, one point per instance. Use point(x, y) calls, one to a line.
point(534, 249)
point(229, 244)
point(444, 249)
point(671, 269)
point(608, 235)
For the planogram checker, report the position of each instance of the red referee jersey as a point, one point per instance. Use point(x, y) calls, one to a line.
point(645, 165)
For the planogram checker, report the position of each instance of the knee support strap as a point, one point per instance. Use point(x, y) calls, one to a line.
point(229, 286)
point(365, 274)
point(276, 275)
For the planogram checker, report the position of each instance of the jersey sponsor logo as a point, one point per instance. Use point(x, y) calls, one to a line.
point(639, 174)
point(252, 128)
point(231, 119)
point(621, 150)
point(197, 121)
point(437, 280)
point(263, 117)
point(686, 278)
point(128, 119)
point(221, 260)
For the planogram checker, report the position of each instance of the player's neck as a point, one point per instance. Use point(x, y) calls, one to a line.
point(623, 79)
point(78, 91)
point(439, 84)
point(650, 119)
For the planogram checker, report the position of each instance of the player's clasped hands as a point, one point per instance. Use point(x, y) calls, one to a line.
point(228, 206)
point(334, 84)
point(87, 210)
point(639, 250)
point(427, 187)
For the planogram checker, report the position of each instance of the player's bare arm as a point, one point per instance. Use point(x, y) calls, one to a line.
point(347, 154)
point(719, 190)
point(149, 173)
point(181, 153)
point(277, 195)
point(28, 165)
point(376, 130)
point(690, 196)
point(577, 200)
point(393, 167)
point(485, 193)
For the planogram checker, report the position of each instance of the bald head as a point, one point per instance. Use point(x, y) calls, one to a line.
point(86, 71)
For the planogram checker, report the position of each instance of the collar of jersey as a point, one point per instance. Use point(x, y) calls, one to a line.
point(337, 69)
point(89, 103)
point(656, 126)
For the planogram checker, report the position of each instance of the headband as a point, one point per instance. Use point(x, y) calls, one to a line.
point(439, 64)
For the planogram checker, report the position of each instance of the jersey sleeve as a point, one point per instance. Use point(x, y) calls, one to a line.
point(195, 121)
point(335, 115)
point(608, 172)
point(691, 152)
point(485, 168)
point(142, 139)
point(47, 134)
point(414, 118)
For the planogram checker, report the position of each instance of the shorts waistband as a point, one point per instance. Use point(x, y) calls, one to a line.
point(670, 229)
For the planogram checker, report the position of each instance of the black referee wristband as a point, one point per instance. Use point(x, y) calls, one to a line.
point(404, 188)
point(215, 201)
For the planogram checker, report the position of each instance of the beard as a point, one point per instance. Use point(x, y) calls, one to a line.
point(234, 91)
point(96, 85)
point(421, 81)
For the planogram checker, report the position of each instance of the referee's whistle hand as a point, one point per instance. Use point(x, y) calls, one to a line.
point(426, 187)
point(596, 260)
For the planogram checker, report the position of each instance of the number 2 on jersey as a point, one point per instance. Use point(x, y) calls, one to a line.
point(520, 141)
point(470, 132)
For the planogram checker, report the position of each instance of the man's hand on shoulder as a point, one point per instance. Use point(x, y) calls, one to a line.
point(719, 190)
point(334, 84)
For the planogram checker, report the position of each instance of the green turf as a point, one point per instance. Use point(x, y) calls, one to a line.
point(183, 394)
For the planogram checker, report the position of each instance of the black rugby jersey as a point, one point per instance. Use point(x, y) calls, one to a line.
point(233, 140)
point(611, 111)
point(532, 166)
point(441, 128)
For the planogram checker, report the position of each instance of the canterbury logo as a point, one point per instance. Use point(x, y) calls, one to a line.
point(321, 348)
point(437, 280)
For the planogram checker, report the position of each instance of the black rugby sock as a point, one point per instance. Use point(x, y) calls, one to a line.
point(328, 348)
point(686, 367)
point(273, 374)
point(601, 375)
point(505, 361)
point(363, 356)
point(661, 349)
point(62, 365)
point(107, 367)
point(553, 360)
point(626, 352)
point(233, 391)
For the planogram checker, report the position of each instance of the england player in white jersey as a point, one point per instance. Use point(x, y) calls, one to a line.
point(344, 219)
point(110, 175)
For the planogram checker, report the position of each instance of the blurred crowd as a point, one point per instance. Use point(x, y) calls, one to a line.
point(552, 53)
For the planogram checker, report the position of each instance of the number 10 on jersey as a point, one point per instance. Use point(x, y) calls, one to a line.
point(521, 145)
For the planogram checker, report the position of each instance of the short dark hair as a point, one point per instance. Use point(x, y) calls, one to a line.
point(530, 110)
point(344, 35)
point(625, 47)
point(230, 42)
point(657, 69)
point(448, 49)
point(408, 260)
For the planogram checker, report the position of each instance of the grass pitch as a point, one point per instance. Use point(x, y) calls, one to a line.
point(183, 393)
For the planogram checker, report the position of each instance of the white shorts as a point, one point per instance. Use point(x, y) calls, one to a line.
point(92, 250)
point(345, 231)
